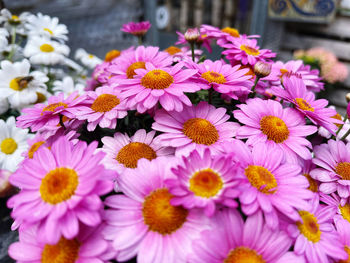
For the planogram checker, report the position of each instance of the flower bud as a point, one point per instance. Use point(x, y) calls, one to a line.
point(347, 96)
point(192, 35)
point(262, 69)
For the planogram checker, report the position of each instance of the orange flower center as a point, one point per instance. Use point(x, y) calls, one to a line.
point(215, 77)
point(112, 54)
point(309, 227)
point(244, 255)
point(157, 79)
point(59, 185)
point(159, 215)
point(52, 107)
point(304, 105)
point(105, 103)
point(130, 72)
point(250, 50)
point(231, 31)
point(200, 131)
point(274, 128)
point(261, 178)
point(134, 151)
point(312, 182)
point(34, 148)
point(343, 170)
point(206, 183)
point(347, 250)
point(65, 251)
point(172, 50)
point(337, 117)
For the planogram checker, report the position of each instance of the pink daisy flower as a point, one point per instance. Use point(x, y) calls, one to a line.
point(224, 78)
point(333, 159)
point(204, 181)
point(315, 236)
point(280, 70)
point(246, 51)
point(60, 188)
point(165, 85)
point(268, 183)
point(78, 250)
point(295, 92)
point(183, 54)
point(306, 167)
point(266, 121)
point(337, 208)
point(137, 29)
point(125, 65)
point(222, 36)
point(103, 107)
point(196, 127)
point(124, 152)
point(232, 240)
point(343, 228)
point(143, 222)
point(48, 115)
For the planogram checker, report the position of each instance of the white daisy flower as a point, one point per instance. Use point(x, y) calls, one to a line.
point(11, 20)
point(20, 85)
point(88, 60)
point(4, 105)
point(13, 142)
point(44, 51)
point(17, 55)
point(3, 38)
point(67, 86)
point(73, 65)
point(46, 26)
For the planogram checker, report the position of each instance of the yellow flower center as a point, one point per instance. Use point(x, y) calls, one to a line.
point(274, 128)
point(52, 107)
point(134, 151)
point(48, 30)
point(200, 131)
point(343, 170)
point(243, 255)
point(159, 215)
point(232, 31)
point(312, 182)
point(8, 146)
point(105, 103)
point(250, 50)
point(345, 211)
point(20, 83)
point(215, 77)
point(261, 178)
point(172, 50)
point(40, 97)
point(309, 227)
point(157, 79)
point(347, 250)
point(65, 251)
point(47, 48)
point(14, 84)
point(59, 185)
point(283, 72)
point(205, 183)
point(337, 117)
point(112, 54)
point(130, 72)
point(14, 18)
point(90, 56)
point(34, 148)
point(304, 105)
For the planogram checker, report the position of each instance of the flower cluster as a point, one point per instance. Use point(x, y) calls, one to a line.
point(185, 160)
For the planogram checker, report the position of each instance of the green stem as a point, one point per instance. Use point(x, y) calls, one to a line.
point(341, 126)
point(139, 38)
point(345, 135)
point(13, 41)
point(192, 50)
point(252, 94)
point(210, 95)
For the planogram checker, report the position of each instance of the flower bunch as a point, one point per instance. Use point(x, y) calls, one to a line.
point(185, 160)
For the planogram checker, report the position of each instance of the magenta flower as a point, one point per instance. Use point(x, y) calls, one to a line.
point(204, 181)
point(335, 207)
point(143, 223)
point(343, 228)
point(232, 240)
point(60, 188)
point(78, 250)
point(246, 51)
point(223, 78)
point(269, 183)
point(266, 121)
point(136, 29)
point(333, 159)
point(155, 84)
point(103, 107)
point(315, 236)
point(196, 127)
point(295, 92)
